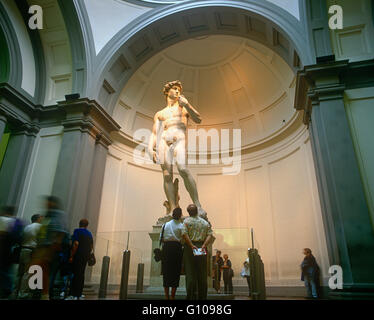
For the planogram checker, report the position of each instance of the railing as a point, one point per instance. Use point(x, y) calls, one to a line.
point(233, 242)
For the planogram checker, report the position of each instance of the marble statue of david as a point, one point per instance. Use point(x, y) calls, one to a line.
point(167, 143)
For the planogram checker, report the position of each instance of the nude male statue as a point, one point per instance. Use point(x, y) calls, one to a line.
point(169, 136)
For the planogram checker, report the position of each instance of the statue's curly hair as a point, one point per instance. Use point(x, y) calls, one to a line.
point(170, 84)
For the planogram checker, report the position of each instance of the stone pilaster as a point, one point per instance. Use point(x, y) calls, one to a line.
point(16, 162)
point(96, 184)
point(21, 116)
point(349, 232)
point(3, 122)
point(80, 169)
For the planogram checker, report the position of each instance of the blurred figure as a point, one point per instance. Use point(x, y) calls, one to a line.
point(172, 253)
point(82, 246)
point(66, 269)
point(228, 273)
point(310, 274)
point(217, 265)
point(51, 235)
point(246, 274)
point(29, 243)
point(10, 235)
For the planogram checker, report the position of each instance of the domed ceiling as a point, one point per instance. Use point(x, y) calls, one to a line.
point(233, 82)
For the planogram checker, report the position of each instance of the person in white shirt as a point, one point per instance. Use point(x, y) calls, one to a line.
point(10, 236)
point(246, 274)
point(30, 234)
point(172, 253)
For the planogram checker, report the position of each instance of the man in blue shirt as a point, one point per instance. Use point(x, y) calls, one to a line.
point(82, 245)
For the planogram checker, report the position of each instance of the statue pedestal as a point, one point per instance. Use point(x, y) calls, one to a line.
point(156, 280)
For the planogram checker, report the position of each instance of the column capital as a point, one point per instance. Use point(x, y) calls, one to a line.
point(3, 118)
point(88, 116)
point(328, 80)
point(15, 107)
point(28, 129)
point(319, 82)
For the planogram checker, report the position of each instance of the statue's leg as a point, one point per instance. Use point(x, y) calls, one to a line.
point(189, 181)
point(167, 171)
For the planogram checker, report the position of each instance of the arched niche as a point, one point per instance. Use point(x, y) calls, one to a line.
point(158, 29)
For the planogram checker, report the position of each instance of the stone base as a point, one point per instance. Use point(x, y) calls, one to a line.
point(163, 220)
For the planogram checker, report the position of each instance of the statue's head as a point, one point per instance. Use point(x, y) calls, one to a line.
point(170, 85)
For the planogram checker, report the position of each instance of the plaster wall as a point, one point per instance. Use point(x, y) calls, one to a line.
point(275, 193)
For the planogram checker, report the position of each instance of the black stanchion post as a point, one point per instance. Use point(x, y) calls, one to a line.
point(257, 277)
point(125, 275)
point(139, 279)
point(104, 277)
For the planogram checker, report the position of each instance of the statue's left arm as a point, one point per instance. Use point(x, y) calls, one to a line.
point(193, 113)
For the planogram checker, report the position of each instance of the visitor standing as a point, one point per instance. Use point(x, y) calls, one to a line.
point(310, 274)
point(228, 273)
point(197, 233)
point(172, 253)
point(217, 265)
point(29, 243)
point(82, 246)
point(10, 235)
point(246, 274)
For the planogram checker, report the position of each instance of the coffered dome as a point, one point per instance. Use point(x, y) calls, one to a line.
point(233, 82)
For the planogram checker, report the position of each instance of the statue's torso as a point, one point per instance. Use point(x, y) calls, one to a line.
point(173, 117)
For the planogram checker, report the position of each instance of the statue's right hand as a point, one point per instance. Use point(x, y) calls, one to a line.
point(155, 157)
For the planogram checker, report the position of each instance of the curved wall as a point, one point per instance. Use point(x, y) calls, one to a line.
point(275, 193)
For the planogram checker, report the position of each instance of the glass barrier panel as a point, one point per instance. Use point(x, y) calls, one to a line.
point(234, 242)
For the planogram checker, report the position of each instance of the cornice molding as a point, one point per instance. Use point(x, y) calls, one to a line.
point(28, 129)
point(328, 81)
point(88, 116)
point(15, 106)
point(82, 114)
